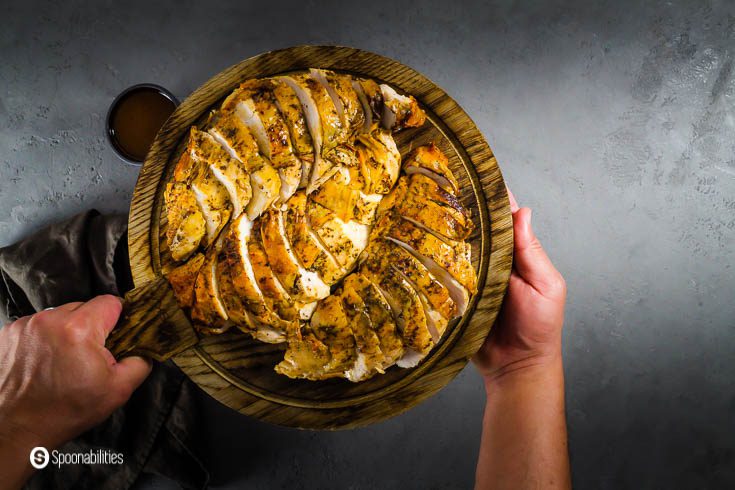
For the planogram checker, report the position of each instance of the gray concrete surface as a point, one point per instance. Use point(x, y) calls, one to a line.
point(614, 121)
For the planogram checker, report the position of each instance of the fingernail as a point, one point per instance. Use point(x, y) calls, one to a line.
point(528, 221)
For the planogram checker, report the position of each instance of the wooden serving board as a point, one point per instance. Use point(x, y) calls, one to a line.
point(238, 371)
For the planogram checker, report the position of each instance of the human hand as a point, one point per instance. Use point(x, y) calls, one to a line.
point(528, 329)
point(57, 379)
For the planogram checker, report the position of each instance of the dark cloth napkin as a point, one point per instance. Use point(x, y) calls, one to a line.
point(155, 431)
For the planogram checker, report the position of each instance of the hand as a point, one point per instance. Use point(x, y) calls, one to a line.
point(524, 434)
point(57, 379)
point(528, 330)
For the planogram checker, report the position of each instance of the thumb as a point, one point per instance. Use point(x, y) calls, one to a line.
point(531, 261)
point(99, 314)
point(128, 374)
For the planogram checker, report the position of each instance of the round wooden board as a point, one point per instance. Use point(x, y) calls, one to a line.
point(238, 371)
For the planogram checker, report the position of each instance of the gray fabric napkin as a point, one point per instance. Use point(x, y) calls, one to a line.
point(156, 431)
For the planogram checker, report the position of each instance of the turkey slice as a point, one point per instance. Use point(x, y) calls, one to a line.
point(186, 224)
point(381, 319)
point(345, 240)
point(325, 347)
point(260, 114)
point(379, 161)
point(452, 257)
point(300, 284)
point(209, 313)
point(400, 111)
point(289, 105)
point(406, 306)
point(437, 294)
point(230, 132)
point(227, 170)
point(430, 161)
point(446, 218)
point(239, 288)
point(306, 245)
point(323, 122)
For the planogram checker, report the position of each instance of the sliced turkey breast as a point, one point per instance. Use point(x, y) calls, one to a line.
point(227, 170)
point(429, 160)
point(370, 359)
point(197, 185)
point(300, 283)
point(260, 114)
point(340, 129)
point(453, 257)
point(331, 128)
point(325, 347)
point(289, 105)
point(346, 100)
point(275, 296)
point(345, 240)
point(441, 213)
point(400, 111)
point(186, 224)
point(381, 318)
point(208, 313)
point(331, 325)
point(306, 357)
point(379, 161)
point(436, 293)
point(404, 301)
point(342, 194)
point(306, 244)
point(230, 132)
point(239, 287)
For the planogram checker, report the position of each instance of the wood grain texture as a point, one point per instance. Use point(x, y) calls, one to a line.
point(151, 324)
point(238, 371)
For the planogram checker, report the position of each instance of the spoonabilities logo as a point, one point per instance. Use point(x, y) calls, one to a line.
point(39, 457)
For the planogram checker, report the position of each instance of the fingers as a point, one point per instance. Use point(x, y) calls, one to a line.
point(69, 307)
point(100, 313)
point(129, 373)
point(513, 203)
point(531, 261)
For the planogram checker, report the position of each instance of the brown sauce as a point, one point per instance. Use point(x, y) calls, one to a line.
point(135, 120)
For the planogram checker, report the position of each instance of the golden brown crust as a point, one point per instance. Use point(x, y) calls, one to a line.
point(182, 280)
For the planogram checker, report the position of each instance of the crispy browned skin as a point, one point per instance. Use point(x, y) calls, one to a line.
point(182, 280)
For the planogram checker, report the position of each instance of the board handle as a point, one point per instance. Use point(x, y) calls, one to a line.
point(151, 324)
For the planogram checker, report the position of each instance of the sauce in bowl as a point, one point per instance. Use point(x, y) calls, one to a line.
point(134, 119)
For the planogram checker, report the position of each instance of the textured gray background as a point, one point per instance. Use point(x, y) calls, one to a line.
point(614, 122)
